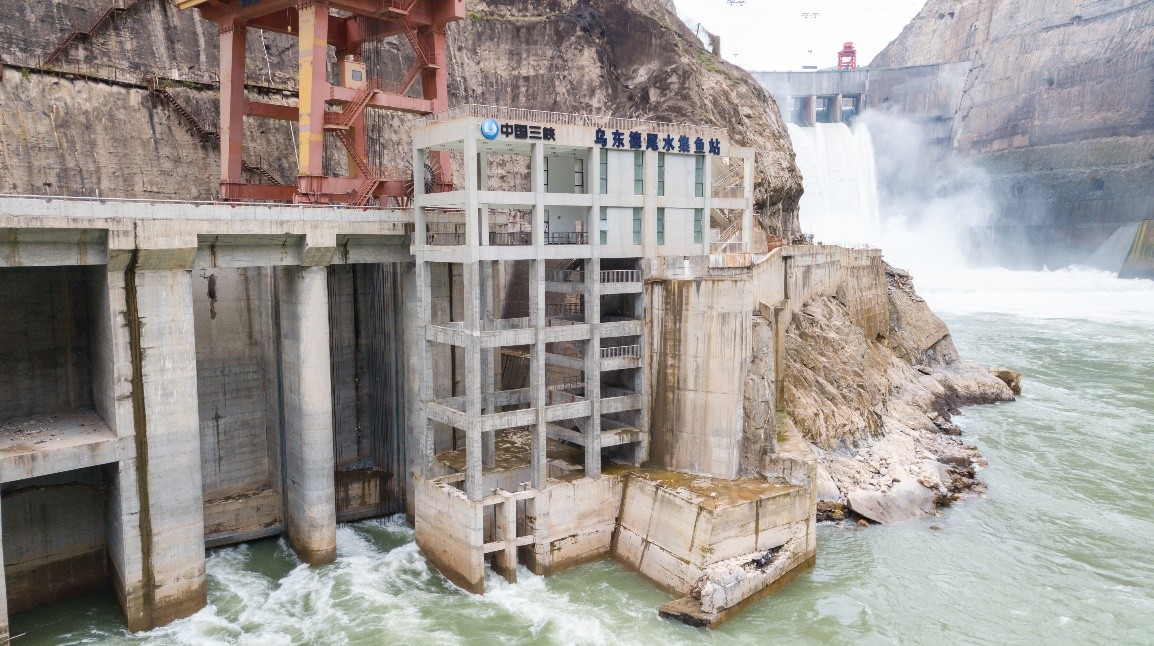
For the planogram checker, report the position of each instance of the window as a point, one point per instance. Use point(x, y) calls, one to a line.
point(661, 173)
point(697, 216)
point(604, 228)
point(639, 173)
point(699, 176)
point(546, 174)
point(578, 175)
point(660, 226)
point(637, 225)
point(604, 171)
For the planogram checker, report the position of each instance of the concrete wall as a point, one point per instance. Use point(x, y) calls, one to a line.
point(369, 418)
point(855, 276)
point(573, 522)
point(701, 349)
point(44, 347)
point(54, 537)
point(238, 396)
point(449, 529)
point(700, 333)
point(671, 535)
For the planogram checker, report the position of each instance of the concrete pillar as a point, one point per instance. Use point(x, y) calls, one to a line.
point(167, 433)
point(113, 400)
point(422, 429)
point(810, 115)
point(488, 375)
point(537, 385)
point(593, 367)
point(649, 216)
point(306, 391)
point(835, 109)
point(474, 460)
point(537, 169)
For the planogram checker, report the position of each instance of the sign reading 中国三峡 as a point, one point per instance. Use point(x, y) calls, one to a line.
point(491, 129)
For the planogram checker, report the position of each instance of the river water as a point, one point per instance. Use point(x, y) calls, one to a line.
point(1059, 550)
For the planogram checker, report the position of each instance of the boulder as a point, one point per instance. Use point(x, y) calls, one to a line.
point(1011, 378)
point(905, 500)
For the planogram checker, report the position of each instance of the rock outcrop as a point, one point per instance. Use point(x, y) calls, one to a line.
point(878, 410)
point(1058, 105)
point(112, 138)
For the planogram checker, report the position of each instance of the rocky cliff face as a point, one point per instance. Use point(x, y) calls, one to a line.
point(877, 410)
point(67, 135)
point(1059, 106)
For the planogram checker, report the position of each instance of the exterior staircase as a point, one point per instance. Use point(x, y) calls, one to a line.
point(114, 8)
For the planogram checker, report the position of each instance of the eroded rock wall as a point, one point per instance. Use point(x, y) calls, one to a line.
point(1058, 105)
point(877, 408)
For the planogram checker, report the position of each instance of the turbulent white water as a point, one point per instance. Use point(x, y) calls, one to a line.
point(840, 203)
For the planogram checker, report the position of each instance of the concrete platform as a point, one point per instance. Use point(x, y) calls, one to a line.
point(47, 444)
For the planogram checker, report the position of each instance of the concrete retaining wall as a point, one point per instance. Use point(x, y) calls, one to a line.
point(671, 536)
point(573, 522)
point(701, 334)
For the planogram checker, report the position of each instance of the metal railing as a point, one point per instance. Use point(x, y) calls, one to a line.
point(566, 119)
point(613, 391)
point(621, 276)
point(565, 276)
point(568, 311)
point(444, 239)
point(621, 351)
point(514, 239)
point(570, 237)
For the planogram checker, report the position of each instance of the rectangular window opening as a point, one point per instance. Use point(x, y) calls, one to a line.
point(638, 173)
point(697, 218)
point(661, 226)
point(604, 227)
point(699, 176)
point(604, 171)
point(661, 173)
point(637, 225)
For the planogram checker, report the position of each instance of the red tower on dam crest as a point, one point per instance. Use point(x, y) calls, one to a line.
point(847, 57)
point(348, 26)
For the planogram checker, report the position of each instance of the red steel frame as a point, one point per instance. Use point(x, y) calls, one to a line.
point(422, 22)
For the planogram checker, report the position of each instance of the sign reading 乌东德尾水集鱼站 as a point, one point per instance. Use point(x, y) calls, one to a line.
point(653, 141)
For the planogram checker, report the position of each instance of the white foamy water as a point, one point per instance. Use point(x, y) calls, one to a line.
point(1069, 293)
point(840, 203)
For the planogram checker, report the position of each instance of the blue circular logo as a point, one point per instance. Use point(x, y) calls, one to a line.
point(490, 128)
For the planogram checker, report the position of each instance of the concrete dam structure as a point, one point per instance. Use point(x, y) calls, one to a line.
point(545, 374)
point(928, 94)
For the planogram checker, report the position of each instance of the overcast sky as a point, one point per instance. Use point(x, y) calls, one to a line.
point(762, 35)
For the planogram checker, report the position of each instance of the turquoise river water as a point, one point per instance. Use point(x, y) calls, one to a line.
point(1059, 551)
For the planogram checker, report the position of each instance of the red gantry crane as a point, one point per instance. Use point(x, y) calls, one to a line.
point(847, 57)
point(346, 25)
